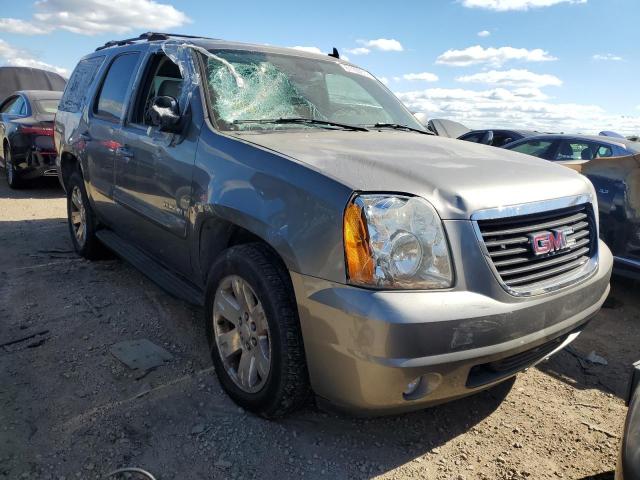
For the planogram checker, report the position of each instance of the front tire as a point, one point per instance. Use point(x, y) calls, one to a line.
point(81, 219)
point(254, 332)
point(13, 179)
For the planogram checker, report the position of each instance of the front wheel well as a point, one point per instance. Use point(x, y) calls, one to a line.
point(218, 235)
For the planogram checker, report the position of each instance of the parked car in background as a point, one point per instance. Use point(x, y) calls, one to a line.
point(13, 79)
point(573, 150)
point(617, 184)
point(496, 138)
point(26, 133)
point(337, 246)
point(628, 467)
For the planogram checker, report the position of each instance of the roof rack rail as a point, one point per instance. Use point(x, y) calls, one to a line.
point(149, 37)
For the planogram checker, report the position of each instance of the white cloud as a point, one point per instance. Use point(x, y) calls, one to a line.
point(492, 56)
point(484, 33)
point(308, 49)
point(383, 44)
point(385, 80)
point(423, 76)
point(21, 58)
point(519, 108)
point(608, 57)
point(513, 77)
point(14, 25)
point(94, 17)
point(505, 5)
point(358, 51)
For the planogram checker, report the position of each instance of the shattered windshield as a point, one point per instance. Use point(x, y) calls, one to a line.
point(246, 86)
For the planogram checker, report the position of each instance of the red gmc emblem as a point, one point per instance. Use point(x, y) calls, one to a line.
point(550, 242)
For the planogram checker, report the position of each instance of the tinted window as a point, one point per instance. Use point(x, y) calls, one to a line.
point(575, 150)
point(116, 86)
point(502, 138)
point(18, 107)
point(537, 148)
point(78, 85)
point(7, 106)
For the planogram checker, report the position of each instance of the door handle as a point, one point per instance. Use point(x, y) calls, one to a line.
point(124, 152)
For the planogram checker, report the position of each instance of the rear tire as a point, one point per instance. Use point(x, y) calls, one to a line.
point(280, 385)
point(81, 219)
point(13, 179)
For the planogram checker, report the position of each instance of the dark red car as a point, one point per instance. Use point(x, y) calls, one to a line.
point(26, 132)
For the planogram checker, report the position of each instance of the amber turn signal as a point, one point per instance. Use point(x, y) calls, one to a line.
point(356, 246)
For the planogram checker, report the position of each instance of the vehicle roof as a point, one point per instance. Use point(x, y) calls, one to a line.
point(215, 44)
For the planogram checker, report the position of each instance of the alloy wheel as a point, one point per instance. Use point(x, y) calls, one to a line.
point(78, 216)
point(242, 334)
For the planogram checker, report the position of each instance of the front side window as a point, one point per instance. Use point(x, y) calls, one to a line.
point(163, 79)
point(247, 85)
point(575, 151)
point(115, 87)
point(537, 148)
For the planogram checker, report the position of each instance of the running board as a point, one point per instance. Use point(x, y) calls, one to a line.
point(160, 275)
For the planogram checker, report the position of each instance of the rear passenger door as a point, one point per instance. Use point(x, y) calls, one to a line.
point(154, 170)
point(102, 136)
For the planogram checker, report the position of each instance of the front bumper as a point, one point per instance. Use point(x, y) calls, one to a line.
point(364, 347)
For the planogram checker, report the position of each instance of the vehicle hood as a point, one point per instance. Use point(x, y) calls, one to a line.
point(457, 177)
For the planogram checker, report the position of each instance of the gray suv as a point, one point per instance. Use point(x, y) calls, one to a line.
point(336, 246)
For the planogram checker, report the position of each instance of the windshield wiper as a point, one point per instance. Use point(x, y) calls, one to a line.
point(399, 126)
point(310, 121)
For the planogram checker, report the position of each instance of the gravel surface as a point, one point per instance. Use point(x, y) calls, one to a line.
point(69, 409)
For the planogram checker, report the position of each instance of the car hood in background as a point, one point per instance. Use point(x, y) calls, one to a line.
point(457, 177)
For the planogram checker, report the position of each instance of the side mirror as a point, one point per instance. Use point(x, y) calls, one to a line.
point(165, 114)
point(487, 138)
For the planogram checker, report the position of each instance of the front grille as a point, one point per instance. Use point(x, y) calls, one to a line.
point(490, 372)
point(509, 245)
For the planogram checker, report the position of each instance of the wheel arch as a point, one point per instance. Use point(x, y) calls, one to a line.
point(216, 234)
point(69, 163)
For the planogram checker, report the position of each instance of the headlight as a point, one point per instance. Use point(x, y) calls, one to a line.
point(395, 241)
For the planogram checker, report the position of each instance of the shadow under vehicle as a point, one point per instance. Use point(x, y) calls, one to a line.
point(337, 246)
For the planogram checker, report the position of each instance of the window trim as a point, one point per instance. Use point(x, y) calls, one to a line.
point(98, 92)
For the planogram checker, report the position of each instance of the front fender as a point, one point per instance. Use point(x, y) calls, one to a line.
point(296, 210)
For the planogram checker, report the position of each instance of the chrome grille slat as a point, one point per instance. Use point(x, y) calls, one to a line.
point(545, 263)
point(540, 226)
point(548, 273)
point(509, 245)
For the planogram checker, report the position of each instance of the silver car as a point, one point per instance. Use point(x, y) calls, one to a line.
point(337, 247)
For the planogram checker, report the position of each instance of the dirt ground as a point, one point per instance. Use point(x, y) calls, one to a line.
point(69, 409)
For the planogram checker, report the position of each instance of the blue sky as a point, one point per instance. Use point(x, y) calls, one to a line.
point(555, 65)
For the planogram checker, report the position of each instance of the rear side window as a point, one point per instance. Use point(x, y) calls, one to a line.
point(8, 104)
point(78, 85)
point(115, 87)
point(18, 108)
point(575, 151)
point(605, 151)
